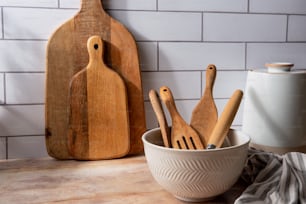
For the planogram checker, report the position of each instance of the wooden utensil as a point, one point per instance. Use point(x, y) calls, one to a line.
point(67, 55)
point(99, 120)
point(205, 115)
point(161, 118)
point(225, 121)
point(182, 135)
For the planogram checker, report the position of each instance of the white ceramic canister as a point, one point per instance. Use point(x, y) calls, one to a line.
point(275, 108)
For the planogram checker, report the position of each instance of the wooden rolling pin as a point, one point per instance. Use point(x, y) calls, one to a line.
point(224, 123)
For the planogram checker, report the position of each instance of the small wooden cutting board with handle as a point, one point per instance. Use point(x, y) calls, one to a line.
point(67, 55)
point(205, 115)
point(99, 120)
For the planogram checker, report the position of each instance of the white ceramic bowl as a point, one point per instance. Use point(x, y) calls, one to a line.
point(195, 175)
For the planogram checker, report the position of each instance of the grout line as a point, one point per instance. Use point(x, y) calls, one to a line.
point(178, 99)
point(6, 147)
point(22, 104)
point(245, 55)
point(202, 27)
point(248, 9)
point(31, 135)
point(23, 72)
point(4, 88)
point(201, 84)
point(2, 22)
point(157, 9)
point(157, 56)
point(25, 39)
point(39, 7)
point(190, 71)
point(217, 42)
point(287, 28)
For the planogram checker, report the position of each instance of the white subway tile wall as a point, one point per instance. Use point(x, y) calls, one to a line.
point(17, 120)
point(1, 34)
point(147, 52)
point(258, 53)
point(32, 23)
point(116, 4)
point(203, 5)
point(161, 26)
point(22, 56)
point(242, 27)
point(176, 40)
point(1, 88)
point(278, 6)
point(184, 85)
point(131, 4)
point(26, 147)
point(24, 88)
point(26, 3)
point(196, 55)
point(2, 148)
point(297, 32)
point(227, 82)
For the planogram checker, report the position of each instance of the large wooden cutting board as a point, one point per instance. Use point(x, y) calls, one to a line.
point(98, 119)
point(67, 54)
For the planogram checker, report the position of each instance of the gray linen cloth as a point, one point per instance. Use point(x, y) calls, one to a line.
point(273, 178)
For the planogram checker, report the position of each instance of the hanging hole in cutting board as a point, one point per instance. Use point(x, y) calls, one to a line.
point(96, 46)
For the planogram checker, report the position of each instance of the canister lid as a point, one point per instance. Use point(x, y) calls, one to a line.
point(279, 67)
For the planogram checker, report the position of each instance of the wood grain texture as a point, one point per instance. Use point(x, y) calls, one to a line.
point(182, 135)
point(116, 181)
point(205, 115)
point(67, 55)
point(161, 118)
point(224, 123)
point(99, 120)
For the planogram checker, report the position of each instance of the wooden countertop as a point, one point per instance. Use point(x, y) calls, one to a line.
point(126, 180)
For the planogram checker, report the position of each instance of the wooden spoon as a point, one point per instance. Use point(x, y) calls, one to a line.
point(182, 135)
point(205, 115)
point(160, 115)
point(224, 123)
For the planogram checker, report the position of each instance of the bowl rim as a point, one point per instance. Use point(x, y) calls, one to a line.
point(244, 135)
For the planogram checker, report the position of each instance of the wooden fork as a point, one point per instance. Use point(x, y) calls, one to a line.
point(182, 135)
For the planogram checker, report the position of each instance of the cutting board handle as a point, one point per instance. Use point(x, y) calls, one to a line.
point(91, 6)
point(95, 48)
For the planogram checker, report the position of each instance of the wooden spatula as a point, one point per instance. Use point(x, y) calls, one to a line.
point(99, 120)
point(205, 115)
point(67, 55)
point(224, 123)
point(161, 118)
point(182, 135)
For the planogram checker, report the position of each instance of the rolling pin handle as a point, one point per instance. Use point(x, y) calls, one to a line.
point(211, 146)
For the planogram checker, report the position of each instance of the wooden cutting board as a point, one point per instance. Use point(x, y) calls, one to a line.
point(99, 120)
point(67, 55)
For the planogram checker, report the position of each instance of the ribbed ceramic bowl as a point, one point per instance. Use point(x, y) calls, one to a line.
point(195, 175)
